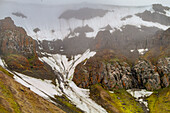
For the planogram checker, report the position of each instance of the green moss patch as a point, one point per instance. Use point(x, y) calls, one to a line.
point(8, 96)
point(66, 105)
point(30, 66)
point(159, 101)
point(6, 72)
point(119, 101)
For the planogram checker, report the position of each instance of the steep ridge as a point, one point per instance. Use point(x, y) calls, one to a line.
point(19, 52)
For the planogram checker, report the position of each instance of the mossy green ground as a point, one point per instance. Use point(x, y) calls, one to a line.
point(6, 72)
point(8, 96)
point(125, 102)
point(65, 102)
point(119, 101)
point(159, 101)
point(15, 98)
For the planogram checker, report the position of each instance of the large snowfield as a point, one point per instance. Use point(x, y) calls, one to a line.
point(46, 18)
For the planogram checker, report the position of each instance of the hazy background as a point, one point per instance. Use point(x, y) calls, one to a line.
point(114, 2)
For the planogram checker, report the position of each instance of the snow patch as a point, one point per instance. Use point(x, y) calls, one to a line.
point(111, 91)
point(62, 64)
point(43, 88)
point(139, 95)
point(167, 13)
point(1, 62)
point(32, 88)
point(132, 51)
point(91, 34)
point(142, 51)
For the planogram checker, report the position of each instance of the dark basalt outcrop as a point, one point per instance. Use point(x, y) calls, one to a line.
point(83, 14)
point(84, 29)
point(126, 17)
point(157, 16)
point(147, 75)
point(18, 14)
point(159, 8)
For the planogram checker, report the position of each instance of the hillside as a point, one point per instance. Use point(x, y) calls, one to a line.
point(14, 97)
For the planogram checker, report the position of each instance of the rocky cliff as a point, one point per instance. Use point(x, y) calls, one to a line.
point(116, 74)
point(14, 40)
point(19, 51)
point(113, 71)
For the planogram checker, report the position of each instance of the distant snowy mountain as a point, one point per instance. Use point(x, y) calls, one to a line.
point(58, 21)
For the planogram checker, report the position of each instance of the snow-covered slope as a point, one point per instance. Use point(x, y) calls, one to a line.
point(78, 96)
point(46, 18)
point(65, 86)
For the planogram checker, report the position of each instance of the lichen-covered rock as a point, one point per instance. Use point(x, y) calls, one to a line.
point(19, 51)
point(146, 75)
point(109, 73)
point(113, 73)
point(14, 40)
point(163, 68)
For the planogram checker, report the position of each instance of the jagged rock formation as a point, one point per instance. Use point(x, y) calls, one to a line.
point(113, 73)
point(157, 16)
point(146, 75)
point(106, 70)
point(163, 68)
point(14, 39)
